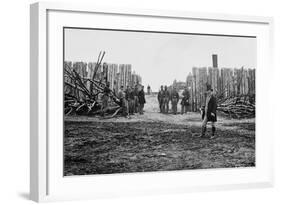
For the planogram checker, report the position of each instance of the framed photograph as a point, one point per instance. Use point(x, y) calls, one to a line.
point(127, 102)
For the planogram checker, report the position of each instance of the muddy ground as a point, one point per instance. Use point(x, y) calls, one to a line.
point(154, 142)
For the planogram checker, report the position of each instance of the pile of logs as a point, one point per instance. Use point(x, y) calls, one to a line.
point(81, 99)
point(238, 107)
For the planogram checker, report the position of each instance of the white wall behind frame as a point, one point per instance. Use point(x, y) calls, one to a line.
point(119, 184)
point(14, 152)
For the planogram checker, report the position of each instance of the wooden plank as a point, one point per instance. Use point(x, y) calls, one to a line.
point(194, 74)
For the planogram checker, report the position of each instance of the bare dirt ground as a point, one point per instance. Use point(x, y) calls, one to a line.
point(154, 142)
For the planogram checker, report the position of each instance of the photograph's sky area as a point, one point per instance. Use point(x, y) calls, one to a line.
point(159, 58)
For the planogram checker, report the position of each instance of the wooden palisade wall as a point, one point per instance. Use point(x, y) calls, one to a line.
point(116, 75)
point(226, 82)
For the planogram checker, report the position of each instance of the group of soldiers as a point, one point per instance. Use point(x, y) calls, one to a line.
point(132, 99)
point(165, 96)
point(208, 110)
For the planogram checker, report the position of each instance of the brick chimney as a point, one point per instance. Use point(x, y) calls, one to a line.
point(215, 60)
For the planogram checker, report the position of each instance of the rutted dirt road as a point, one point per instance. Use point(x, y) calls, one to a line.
point(154, 142)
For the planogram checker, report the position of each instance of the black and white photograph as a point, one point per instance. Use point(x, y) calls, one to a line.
point(147, 101)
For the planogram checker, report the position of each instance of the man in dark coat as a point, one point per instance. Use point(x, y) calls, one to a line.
point(136, 96)
point(209, 112)
point(175, 99)
point(166, 99)
point(148, 89)
point(141, 100)
point(130, 97)
point(124, 102)
point(185, 101)
point(160, 98)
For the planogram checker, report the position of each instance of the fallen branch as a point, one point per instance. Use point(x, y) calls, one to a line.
point(237, 107)
point(85, 100)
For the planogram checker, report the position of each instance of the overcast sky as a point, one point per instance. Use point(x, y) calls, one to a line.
point(159, 58)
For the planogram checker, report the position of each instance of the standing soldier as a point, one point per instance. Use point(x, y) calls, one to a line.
point(166, 99)
point(209, 113)
point(160, 98)
point(175, 99)
point(124, 102)
point(141, 100)
point(185, 101)
point(131, 100)
point(148, 89)
point(136, 99)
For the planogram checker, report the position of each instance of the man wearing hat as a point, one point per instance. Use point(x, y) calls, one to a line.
point(209, 113)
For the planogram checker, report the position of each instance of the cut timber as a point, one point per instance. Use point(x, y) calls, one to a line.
point(82, 91)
